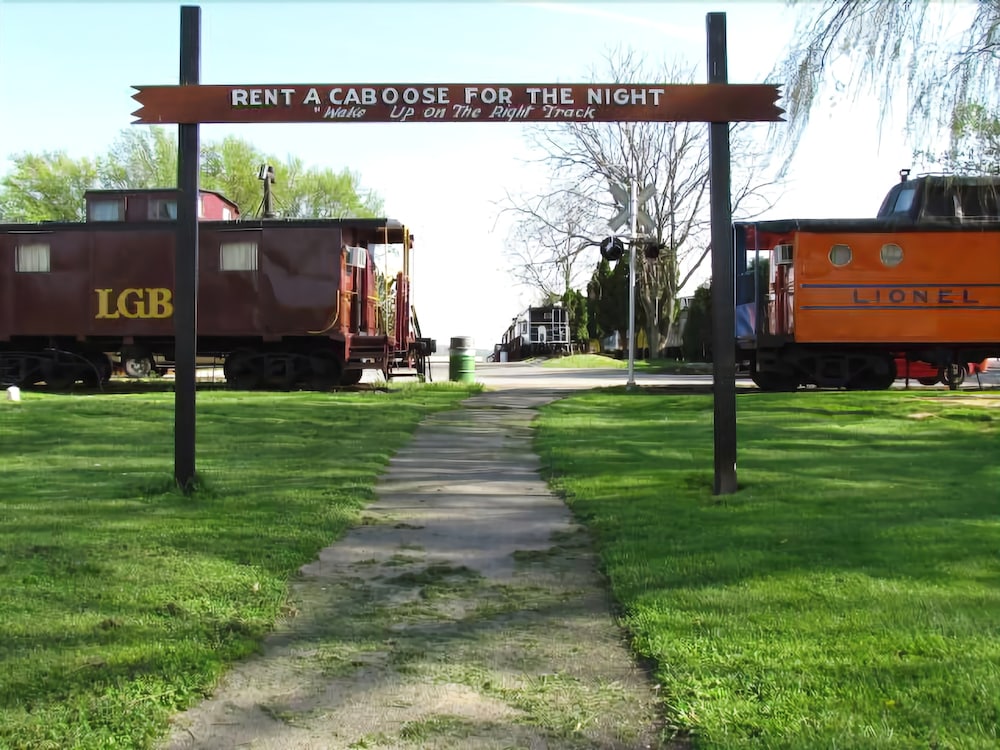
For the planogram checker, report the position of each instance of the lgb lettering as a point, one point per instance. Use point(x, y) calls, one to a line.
point(134, 303)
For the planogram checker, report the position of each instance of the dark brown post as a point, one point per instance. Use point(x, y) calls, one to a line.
point(186, 261)
point(723, 292)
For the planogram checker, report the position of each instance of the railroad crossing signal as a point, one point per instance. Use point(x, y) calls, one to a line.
point(651, 248)
point(612, 248)
point(642, 219)
point(622, 201)
point(620, 193)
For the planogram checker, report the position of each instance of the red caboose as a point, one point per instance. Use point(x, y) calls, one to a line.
point(280, 302)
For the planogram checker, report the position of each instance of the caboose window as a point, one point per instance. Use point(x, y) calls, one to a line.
point(238, 256)
point(161, 209)
point(33, 258)
point(840, 255)
point(107, 210)
point(904, 201)
point(891, 254)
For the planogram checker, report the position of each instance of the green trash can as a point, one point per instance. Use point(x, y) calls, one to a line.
point(462, 360)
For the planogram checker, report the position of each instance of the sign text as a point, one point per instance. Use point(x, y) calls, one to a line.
point(459, 103)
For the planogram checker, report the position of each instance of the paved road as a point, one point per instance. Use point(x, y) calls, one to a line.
point(533, 375)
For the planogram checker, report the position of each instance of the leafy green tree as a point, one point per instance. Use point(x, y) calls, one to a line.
point(50, 186)
point(230, 166)
point(576, 303)
point(140, 158)
point(607, 294)
point(975, 143)
point(607, 301)
point(697, 336)
point(46, 187)
point(328, 194)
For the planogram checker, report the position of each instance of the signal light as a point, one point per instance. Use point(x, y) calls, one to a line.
point(652, 249)
point(612, 249)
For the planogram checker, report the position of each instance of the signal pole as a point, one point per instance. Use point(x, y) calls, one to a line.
point(633, 221)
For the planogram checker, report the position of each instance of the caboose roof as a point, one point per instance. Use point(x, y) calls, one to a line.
point(891, 224)
point(384, 230)
point(98, 192)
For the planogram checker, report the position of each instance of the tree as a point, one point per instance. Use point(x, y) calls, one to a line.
point(140, 158)
point(46, 187)
point(900, 45)
point(550, 246)
point(569, 219)
point(761, 268)
point(50, 186)
point(696, 338)
point(576, 305)
point(325, 193)
point(975, 143)
point(607, 300)
point(230, 166)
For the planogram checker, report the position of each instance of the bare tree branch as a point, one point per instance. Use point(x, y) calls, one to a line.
point(554, 241)
point(891, 45)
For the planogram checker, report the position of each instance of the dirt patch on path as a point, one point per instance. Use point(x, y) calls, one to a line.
point(466, 612)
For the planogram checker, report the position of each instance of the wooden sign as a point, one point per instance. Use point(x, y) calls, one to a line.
point(455, 102)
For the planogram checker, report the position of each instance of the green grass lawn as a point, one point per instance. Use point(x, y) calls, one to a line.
point(848, 596)
point(124, 600)
point(584, 361)
point(657, 366)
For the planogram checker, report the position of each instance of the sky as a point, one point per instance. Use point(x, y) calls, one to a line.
point(67, 71)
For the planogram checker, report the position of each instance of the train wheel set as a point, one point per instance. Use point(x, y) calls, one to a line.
point(59, 369)
point(786, 370)
point(245, 369)
point(249, 369)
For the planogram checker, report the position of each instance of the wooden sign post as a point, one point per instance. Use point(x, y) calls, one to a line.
point(717, 102)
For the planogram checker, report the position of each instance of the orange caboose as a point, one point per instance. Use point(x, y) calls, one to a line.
point(846, 296)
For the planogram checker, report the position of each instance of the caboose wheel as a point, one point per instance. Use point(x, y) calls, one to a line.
point(928, 381)
point(282, 371)
point(240, 370)
point(324, 370)
point(351, 377)
point(775, 381)
point(953, 376)
point(58, 376)
point(99, 371)
point(137, 366)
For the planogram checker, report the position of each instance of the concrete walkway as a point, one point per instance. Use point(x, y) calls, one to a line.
point(465, 612)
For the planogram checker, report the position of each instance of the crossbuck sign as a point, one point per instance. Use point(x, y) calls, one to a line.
point(623, 200)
